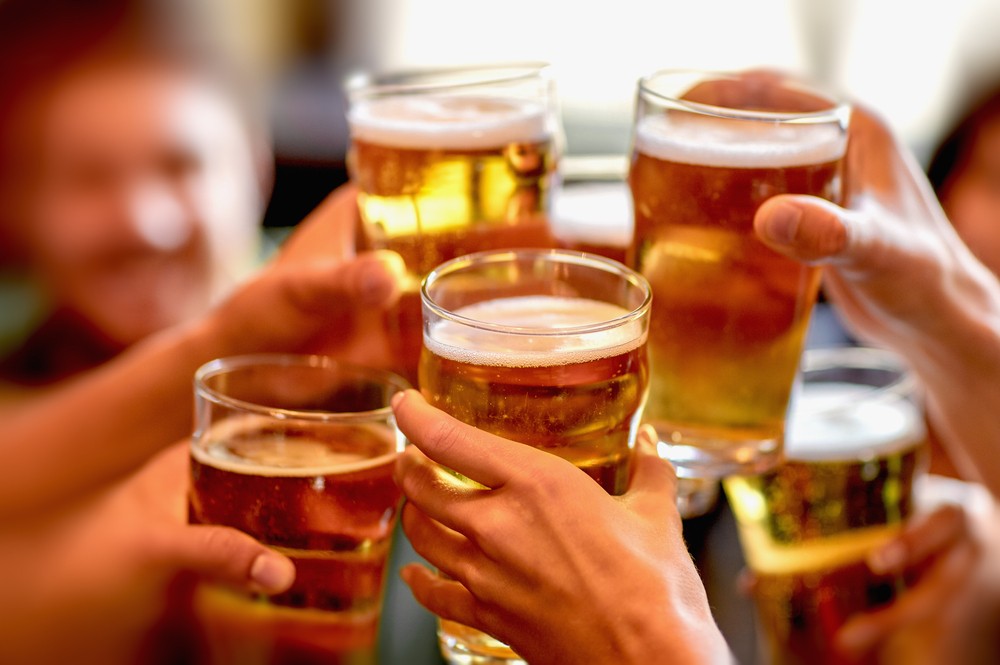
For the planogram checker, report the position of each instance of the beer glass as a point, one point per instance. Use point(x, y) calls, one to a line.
point(450, 162)
point(855, 444)
point(546, 348)
point(298, 452)
point(730, 315)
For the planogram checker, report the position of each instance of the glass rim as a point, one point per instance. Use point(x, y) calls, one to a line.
point(220, 366)
point(402, 81)
point(865, 358)
point(839, 111)
point(560, 255)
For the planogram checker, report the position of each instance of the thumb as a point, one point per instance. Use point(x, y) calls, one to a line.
point(226, 555)
point(804, 228)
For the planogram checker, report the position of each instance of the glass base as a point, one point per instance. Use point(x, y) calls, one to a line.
point(696, 496)
point(715, 453)
point(461, 645)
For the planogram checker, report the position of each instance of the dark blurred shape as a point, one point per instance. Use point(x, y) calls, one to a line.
point(954, 152)
point(299, 187)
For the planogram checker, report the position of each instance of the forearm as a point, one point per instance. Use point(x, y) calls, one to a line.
point(102, 425)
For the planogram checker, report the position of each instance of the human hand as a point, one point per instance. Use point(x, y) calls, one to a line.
point(902, 278)
point(543, 558)
point(85, 586)
point(952, 613)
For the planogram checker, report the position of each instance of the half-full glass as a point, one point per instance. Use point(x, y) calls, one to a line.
point(730, 314)
point(855, 445)
point(547, 348)
point(298, 452)
point(450, 162)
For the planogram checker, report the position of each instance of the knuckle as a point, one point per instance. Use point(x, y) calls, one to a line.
point(447, 435)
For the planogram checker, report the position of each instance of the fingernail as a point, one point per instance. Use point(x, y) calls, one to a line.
point(783, 225)
point(272, 573)
point(397, 399)
point(887, 558)
point(857, 638)
point(374, 285)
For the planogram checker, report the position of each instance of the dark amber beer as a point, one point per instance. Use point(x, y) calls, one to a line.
point(449, 163)
point(730, 314)
point(544, 348)
point(807, 526)
point(316, 486)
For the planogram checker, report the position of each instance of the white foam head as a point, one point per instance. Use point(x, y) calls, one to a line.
point(846, 422)
point(227, 446)
point(709, 141)
point(544, 314)
point(438, 122)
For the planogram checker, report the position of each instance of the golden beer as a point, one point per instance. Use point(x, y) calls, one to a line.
point(445, 171)
point(580, 402)
point(807, 526)
point(544, 348)
point(730, 316)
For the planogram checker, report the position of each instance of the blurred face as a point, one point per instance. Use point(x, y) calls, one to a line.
point(145, 204)
point(972, 197)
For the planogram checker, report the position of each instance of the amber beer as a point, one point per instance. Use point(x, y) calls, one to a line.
point(807, 526)
point(730, 315)
point(451, 163)
point(544, 348)
point(321, 493)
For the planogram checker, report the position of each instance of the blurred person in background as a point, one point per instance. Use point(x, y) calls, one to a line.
point(131, 183)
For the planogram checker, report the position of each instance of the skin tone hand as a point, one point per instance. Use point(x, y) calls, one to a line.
point(106, 423)
point(96, 575)
point(953, 611)
point(903, 279)
point(542, 558)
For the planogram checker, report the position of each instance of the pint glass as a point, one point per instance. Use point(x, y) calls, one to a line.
point(298, 452)
point(547, 348)
point(451, 162)
point(855, 443)
point(730, 315)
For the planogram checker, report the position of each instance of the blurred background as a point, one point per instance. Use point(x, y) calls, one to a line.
point(917, 62)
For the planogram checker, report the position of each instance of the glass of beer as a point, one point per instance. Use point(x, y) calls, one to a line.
point(547, 348)
point(450, 162)
point(298, 452)
point(730, 315)
point(856, 442)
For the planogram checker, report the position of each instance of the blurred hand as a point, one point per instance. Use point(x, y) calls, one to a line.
point(85, 586)
point(900, 275)
point(952, 613)
point(543, 559)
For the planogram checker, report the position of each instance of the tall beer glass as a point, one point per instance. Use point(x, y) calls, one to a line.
point(855, 443)
point(547, 348)
point(450, 162)
point(298, 452)
point(730, 314)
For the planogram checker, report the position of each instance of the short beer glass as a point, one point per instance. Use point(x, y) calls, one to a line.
point(856, 443)
point(547, 348)
point(730, 315)
point(450, 162)
point(298, 452)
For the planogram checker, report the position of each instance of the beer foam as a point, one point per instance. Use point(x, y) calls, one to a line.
point(289, 457)
point(708, 141)
point(429, 122)
point(542, 314)
point(846, 422)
